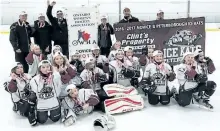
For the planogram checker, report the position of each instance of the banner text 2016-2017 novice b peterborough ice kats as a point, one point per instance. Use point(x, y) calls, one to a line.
point(173, 36)
point(82, 29)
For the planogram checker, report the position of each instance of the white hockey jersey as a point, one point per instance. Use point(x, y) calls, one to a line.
point(21, 84)
point(180, 71)
point(83, 97)
point(116, 67)
point(46, 94)
point(88, 76)
point(158, 75)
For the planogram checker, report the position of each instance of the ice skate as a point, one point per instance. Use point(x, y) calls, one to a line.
point(203, 103)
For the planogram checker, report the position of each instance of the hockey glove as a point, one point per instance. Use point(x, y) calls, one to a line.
point(201, 78)
point(78, 109)
point(171, 76)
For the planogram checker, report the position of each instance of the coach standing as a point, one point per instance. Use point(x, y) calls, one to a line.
point(59, 28)
point(19, 37)
point(128, 18)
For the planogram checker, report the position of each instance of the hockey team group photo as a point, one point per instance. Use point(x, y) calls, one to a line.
point(74, 62)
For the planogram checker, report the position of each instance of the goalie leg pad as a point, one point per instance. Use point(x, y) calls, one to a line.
point(119, 90)
point(123, 104)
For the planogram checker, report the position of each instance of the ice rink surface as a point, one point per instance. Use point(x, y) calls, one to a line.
point(152, 118)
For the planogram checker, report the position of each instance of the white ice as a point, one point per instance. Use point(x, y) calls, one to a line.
point(152, 118)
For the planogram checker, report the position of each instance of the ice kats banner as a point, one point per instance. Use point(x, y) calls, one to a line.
point(173, 36)
point(82, 28)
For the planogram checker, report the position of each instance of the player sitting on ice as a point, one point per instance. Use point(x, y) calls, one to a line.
point(66, 71)
point(33, 59)
point(18, 87)
point(100, 60)
point(114, 48)
point(93, 77)
point(146, 57)
point(129, 55)
point(55, 48)
point(46, 86)
point(157, 79)
point(123, 70)
point(75, 61)
point(77, 102)
point(193, 80)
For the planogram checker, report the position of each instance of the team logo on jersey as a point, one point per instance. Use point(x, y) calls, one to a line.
point(46, 92)
point(184, 38)
point(159, 79)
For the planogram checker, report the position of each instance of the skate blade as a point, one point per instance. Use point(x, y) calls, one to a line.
point(206, 108)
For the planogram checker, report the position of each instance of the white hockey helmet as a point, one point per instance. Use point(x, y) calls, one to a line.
point(198, 52)
point(23, 13)
point(186, 54)
point(127, 48)
point(89, 60)
point(119, 51)
point(104, 123)
point(95, 47)
point(44, 62)
point(157, 52)
point(56, 48)
point(69, 88)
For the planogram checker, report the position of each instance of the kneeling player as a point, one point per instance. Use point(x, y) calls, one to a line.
point(20, 91)
point(157, 79)
point(46, 86)
point(77, 102)
point(192, 77)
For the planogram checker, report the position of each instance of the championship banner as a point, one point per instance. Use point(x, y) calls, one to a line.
point(82, 29)
point(174, 36)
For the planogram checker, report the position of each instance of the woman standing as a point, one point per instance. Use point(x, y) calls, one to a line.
point(105, 30)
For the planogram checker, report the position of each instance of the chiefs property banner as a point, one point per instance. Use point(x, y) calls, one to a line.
point(82, 28)
point(174, 36)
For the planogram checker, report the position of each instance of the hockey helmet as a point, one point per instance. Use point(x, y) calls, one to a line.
point(186, 54)
point(157, 52)
point(127, 48)
point(69, 88)
point(95, 47)
point(44, 62)
point(104, 123)
point(14, 66)
point(198, 52)
point(56, 48)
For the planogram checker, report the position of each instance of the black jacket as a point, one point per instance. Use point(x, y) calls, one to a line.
point(110, 31)
point(133, 19)
point(20, 36)
point(59, 31)
point(42, 35)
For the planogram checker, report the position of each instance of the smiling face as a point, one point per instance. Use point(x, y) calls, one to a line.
point(120, 55)
point(73, 93)
point(158, 58)
point(59, 60)
point(37, 50)
point(150, 52)
point(189, 59)
point(117, 45)
point(129, 53)
point(19, 69)
point(41, 19)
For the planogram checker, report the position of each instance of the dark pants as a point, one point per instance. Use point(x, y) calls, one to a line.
point(184, 98)
point(65, 48)
point(55, 115)
point(20, 57)
point(105, 51)
point(155, 99)
point(102, 97)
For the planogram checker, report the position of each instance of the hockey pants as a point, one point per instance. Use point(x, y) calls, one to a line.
point(155, 99)
point(184, 98)
point(102, 96)
point(54, 115)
